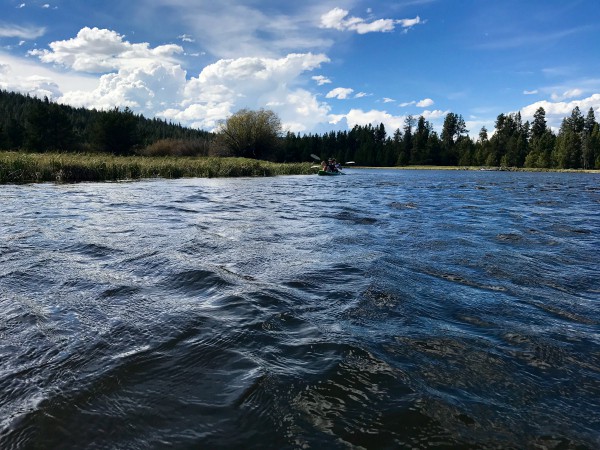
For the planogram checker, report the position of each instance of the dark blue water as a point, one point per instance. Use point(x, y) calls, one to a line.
point(383, 309)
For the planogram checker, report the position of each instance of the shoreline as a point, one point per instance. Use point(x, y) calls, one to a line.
point(478, 169)
point(25, 168)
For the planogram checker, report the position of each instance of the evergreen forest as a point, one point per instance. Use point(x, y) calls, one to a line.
point(39, 125)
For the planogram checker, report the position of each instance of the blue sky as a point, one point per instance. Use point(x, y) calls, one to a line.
point(321, 65)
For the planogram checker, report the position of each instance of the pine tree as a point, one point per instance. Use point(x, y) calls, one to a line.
point(407, 142)
point(419, 154)
point(567, 152)
point(589, 122)
point(454, 128)
point(538, 128)
point(481, 147)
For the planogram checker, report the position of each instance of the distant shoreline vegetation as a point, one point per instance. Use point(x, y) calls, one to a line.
point(25, 168)
point(22, 168)
point(32, 125)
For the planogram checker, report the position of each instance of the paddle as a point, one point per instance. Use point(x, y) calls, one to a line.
point(315, 157)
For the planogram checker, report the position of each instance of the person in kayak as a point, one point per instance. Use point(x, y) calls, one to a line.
point(331, 165)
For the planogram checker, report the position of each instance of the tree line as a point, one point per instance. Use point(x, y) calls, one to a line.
point(28, 123)
point(514, 144)
point(33, 124)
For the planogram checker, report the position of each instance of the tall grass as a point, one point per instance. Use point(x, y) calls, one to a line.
point(18, 167)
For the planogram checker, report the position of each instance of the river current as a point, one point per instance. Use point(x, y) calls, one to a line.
point(384, 309)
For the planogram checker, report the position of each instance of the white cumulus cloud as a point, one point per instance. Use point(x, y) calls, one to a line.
point(256, 82)
point(338, 19)
point(434, 115)
point(425, 103)
point(96, 50)
point(147, 89)
point(407, 23)
point(163, 89)
point(340, 93)
point(373, 117)
point(421, 103)
point(557, 111)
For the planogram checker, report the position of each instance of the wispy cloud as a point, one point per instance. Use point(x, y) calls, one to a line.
point(529, 39)
point(571, 93)
point(186, 38)
point(533, 92)
point(9, 30)
point(27, 76)
point(558, 71)
point(234, 28)
point(338, 19)
point(321, 80)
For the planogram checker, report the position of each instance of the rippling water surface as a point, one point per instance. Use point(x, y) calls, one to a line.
point(383, 309)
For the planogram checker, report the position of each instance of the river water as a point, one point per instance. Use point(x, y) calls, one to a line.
point(381, 309)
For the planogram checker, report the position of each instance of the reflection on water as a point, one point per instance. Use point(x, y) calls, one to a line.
point(384, 309)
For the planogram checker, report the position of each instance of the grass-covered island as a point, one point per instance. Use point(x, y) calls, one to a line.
point(20, 167)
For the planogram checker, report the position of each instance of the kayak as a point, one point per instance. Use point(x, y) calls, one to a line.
point(330, 174)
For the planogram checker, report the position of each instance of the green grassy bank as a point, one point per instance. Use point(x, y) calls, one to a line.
point(17, 167)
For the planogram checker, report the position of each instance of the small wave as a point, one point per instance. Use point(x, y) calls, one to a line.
point(120, 291)
point(509, 237)
point(467, 282)
point(397, 205)
point(566, 314)
point(177, 209)
point(195, 282)
point(355, 218)
point(93, 250)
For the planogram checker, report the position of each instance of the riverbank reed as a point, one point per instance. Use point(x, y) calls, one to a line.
point(18, 167)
